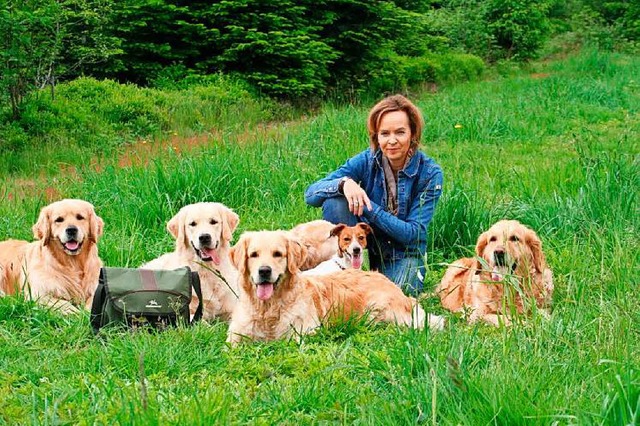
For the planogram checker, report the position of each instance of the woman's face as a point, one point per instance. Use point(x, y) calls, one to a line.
point(394, 137)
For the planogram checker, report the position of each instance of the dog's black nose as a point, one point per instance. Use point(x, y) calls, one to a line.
point(72, 231)
point(356, 250)
point(264, 272)
point(205, 239)
point(499, 257)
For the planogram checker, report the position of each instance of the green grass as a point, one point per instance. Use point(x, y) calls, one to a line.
point(560, 153)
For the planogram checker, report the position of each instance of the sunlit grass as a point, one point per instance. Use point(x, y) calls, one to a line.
point(560, 153)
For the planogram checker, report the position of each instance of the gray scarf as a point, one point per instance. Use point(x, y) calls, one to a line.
point(392, 187)
point(392, 183)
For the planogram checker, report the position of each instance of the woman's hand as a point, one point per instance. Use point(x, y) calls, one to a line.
point(356, 197)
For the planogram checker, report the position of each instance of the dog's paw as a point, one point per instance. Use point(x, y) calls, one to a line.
point(436, 322)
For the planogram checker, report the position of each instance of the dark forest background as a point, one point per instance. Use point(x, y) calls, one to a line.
point(299, 52)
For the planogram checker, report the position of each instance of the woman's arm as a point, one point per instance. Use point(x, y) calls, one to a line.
point(327, 187)
point(414, 229)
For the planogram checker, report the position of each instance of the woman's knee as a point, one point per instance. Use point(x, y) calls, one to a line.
point(336, 210)
point(407, 273)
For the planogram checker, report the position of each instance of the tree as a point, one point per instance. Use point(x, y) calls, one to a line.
point(46, 39)
point(28, 47)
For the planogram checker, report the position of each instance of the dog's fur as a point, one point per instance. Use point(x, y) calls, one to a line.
point(510, 274)
point(316, 236)
point(276, 301)
point(203, 232)
point(62, 267)
point(352, 241)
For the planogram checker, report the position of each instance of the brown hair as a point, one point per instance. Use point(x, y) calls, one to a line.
point(391, 104)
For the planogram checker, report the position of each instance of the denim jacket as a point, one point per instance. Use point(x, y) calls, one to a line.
point(419, 188)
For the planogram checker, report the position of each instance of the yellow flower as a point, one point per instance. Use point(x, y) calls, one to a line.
point(458, 126)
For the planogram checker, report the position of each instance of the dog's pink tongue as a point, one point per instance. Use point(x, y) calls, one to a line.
point(265, 291)
point(212, 253)
point(71, 245)
point(356, 262)
point(496, 275)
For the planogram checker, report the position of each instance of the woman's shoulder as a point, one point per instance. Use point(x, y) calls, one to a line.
point(429, 164)
point(365, 157)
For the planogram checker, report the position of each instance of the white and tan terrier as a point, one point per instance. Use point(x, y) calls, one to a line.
point(352, 241)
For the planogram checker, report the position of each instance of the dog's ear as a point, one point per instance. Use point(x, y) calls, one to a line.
point(534, 243)
point(175, 226)
point(229, 223)
point(337, 229)
point(96, 226)
point(296, 254)
point(238, 254)
point(365, 227)
point(42, 228)
point(481, 244)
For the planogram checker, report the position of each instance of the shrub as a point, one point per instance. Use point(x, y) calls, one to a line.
point(401, 73)
point(97, 116)
point(458, 67)
point(494, 29)
point(519, 27)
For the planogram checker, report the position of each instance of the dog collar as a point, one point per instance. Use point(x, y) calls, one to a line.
point(339, 265)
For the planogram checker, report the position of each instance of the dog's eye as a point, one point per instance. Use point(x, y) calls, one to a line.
point(361, 237)
point(347, 239)
point(213, 222)
point(59, 219)
point(277, 253)
point(253, 254)
point(493, 239)
point(193, 223)
point(514, 238)
point(79, 217)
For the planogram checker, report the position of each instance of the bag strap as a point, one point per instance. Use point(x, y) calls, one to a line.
point(195, 283)
point(98, 302)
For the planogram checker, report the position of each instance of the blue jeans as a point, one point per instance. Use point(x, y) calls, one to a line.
point(407, 273)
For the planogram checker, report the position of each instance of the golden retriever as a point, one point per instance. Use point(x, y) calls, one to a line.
point(319, 241)
point(352, 241)
point(277, 302)
point(203, 232)
point(62, 267)
point(509, 275)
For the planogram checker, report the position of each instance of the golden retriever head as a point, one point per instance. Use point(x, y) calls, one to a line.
point(203, 228)
point(509, 246)
point(70, 224)
point(352, 240)
point(266, 261)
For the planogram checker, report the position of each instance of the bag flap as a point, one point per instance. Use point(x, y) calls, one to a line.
point(148, 291)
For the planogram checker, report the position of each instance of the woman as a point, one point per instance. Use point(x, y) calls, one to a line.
point(392, 186)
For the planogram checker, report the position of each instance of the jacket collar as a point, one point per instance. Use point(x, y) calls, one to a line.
point(410, 170)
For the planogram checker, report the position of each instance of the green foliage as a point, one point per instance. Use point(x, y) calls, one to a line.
point(84, 38)
point(157, 34)
point(364, 33)
point(296, 50)
point(28, 47)
point(273, 45)
point(98, 117)
point(288, 49)
point(46, 40)
point(496, 29)
point(620, 14)
point(519, 27)
point(401, 73)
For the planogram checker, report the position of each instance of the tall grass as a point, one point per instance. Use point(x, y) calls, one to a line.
point(560, 153)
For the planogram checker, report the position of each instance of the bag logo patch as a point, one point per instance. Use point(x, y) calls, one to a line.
point(153, 304)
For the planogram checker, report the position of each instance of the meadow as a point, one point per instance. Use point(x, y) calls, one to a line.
point(555, 146)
